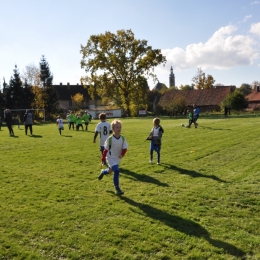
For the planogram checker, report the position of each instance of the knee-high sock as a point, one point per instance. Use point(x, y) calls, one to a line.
point(115, 169)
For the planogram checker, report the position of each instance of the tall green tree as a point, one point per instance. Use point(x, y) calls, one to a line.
point(45, 73)
point(201, 81)
point(117, 64)
point(14, 94)
point(50, 97)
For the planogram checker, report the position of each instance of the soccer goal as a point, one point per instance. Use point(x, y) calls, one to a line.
point(24, 109)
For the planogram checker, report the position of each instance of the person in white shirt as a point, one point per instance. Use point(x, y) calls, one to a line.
point(103, 128)
point(59, 123)
point(115, 148)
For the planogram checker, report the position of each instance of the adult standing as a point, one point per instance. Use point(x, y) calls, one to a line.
point(28, 121)
point(8, 121)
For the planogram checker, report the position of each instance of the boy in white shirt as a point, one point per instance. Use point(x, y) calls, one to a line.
point(115, 148)
point(104, 130)
point(59, 123)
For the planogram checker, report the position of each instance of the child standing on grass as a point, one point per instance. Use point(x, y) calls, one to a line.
point(156, 140)
point(59, 123)
point(115, 148)
point(192, 118)
point(103, 128)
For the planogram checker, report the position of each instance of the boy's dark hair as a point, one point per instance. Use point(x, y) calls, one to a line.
point(102, 116)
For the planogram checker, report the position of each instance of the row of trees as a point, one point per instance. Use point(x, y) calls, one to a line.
point(31, 90)
point(117, 67)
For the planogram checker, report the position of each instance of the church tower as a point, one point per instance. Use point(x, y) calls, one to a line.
point(171, 79)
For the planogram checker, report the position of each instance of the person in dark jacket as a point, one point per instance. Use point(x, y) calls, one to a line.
point(8, 121)
point(28, 121)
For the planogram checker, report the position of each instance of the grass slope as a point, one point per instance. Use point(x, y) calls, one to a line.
point(202, 202)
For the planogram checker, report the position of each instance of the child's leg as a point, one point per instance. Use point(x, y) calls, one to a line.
point(151, 151)
point(106, 171)
point(116, 180)
point(115, 169)
point(60, 131)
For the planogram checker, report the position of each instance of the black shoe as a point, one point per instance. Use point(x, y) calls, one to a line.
point(118, 192)
point(101, 175)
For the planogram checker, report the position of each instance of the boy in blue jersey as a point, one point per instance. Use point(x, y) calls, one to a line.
point(115, 148)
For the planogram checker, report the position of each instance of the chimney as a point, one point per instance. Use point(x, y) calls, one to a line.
point(60, 83)
point(68, 83)
point(258, 89)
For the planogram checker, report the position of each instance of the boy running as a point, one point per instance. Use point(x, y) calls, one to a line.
point(115, 148)
point(104, 130)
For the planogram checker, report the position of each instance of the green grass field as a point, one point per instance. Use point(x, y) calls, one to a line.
point(202, 202)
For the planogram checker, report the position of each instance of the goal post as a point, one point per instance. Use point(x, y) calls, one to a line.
point(31, 109)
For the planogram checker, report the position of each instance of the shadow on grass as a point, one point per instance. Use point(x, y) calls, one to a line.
point(185, 226)
point(36, 136)
point(66, 135)
point(191, 173)
point(142, 177)
point(211, 128)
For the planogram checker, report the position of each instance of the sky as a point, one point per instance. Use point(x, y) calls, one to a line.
point(222, 37)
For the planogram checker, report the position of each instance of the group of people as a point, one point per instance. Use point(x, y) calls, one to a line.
point(76, 120)
point(114, 147)
point(193, 116)
point(27, 119)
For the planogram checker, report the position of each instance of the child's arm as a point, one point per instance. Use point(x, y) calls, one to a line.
point(104, 154)
point(122, 153)
point(95, 136)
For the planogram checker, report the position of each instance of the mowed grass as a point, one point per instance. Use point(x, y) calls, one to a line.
point(202, 202)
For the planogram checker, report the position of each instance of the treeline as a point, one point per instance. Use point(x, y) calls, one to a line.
point(31, 90)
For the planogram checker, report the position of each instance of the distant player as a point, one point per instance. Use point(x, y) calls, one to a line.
point(156, 140)
point(59, 123)
point(104, 130)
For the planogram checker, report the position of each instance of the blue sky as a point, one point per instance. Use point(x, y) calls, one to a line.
point(222, 37)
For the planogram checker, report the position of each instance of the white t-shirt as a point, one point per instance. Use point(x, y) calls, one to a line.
point(155, 131)
point(60, 123)
point(116, 149)
point(104, 131)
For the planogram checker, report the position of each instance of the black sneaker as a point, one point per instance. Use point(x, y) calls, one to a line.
point(101, 175)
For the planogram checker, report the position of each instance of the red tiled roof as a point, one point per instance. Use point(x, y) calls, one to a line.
point(253, 96)
point(202, 97)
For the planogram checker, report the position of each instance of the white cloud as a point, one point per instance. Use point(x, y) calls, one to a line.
point(223, 50)
point(255, 28)
point(247, 17)
point(255, 3)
